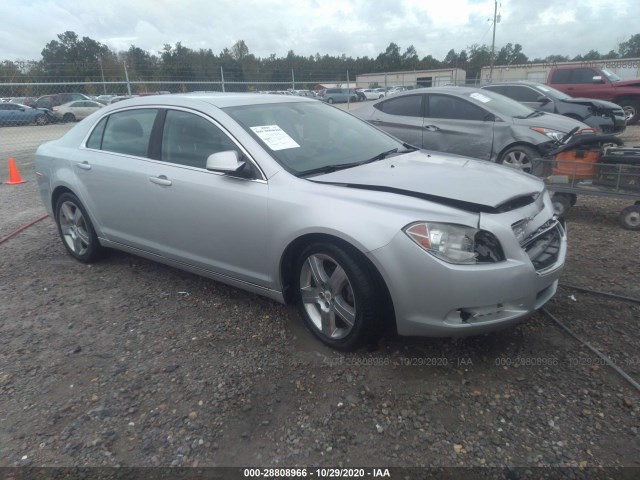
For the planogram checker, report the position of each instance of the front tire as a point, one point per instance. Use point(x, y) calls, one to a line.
point(41, 120)
point(524, 158)
point(330, 100)
point(69, 117)
point(631, 111)
point(76, 230)
point(336, 297)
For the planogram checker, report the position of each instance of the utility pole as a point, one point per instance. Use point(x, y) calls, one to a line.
point(104, 86)
point(126, 76)
point(493, 42)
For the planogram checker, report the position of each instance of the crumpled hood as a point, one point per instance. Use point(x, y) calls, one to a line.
point(550, 120)
point(599, 104)
point(454, 180)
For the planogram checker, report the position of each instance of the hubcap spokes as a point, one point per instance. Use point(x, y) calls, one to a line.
point(74, 228)
point(518, 160)
point(327, 296)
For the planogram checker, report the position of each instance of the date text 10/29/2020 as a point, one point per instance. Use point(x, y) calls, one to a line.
point(316, 472)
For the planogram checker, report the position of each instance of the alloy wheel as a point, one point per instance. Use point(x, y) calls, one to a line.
point(327, 296)
point(73, 227)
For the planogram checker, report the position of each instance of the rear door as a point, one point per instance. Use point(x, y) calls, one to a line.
point(113, 178)
point(402, 117)
point(455, 125)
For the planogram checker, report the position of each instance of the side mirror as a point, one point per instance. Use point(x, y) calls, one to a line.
point(597, 79)
point(542, 99)
point(489, 117)
point(226, 162)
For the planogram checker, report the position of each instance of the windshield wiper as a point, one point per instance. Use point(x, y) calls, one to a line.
point(381, 156)
point(535, 113)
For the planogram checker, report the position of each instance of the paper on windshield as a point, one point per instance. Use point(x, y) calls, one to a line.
point(480, 97)
point(274, 137)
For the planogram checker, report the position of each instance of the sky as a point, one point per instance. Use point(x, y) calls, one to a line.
point(356, 28)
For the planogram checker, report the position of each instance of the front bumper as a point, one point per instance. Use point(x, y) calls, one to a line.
point(434, 298)
point(613, 123)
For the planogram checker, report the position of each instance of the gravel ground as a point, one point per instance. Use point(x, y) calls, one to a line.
point(127, 362)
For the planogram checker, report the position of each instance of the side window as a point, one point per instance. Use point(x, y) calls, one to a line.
point(407, 106)
point(189, 139)
point(128, 132)
point(501, 89)
point(95, 139)
point(582, 75)
point(522, 93)
point(560, 76)
point(445, 106)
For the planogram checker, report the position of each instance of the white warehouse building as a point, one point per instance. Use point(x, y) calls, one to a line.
point(413, 78)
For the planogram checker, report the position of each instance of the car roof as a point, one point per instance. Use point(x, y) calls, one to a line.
point(515, 82)
point(451, 90)
point(217, 99)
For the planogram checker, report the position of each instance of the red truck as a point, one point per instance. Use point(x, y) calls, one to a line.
point(597, 82)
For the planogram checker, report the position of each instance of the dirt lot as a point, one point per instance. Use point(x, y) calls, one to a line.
point(127, 362)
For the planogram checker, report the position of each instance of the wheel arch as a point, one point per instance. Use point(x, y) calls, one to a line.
point(519, 143)
point(293, 250)
point(56, 194)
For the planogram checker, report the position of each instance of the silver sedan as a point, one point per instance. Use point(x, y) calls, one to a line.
point(471, 121)
point(302, 202)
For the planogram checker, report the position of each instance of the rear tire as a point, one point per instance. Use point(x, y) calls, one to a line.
point(337, 297)
point(76, 230)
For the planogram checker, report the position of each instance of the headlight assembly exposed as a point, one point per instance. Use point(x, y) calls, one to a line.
point(555, 135)
point(457, 244)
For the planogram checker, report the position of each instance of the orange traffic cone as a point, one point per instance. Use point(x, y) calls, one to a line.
point(14, 174)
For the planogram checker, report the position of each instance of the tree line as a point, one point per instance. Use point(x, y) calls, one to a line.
point(70, 58)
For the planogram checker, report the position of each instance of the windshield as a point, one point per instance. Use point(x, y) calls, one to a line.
point(610, 75)
point(503, 106)
point(307, 137)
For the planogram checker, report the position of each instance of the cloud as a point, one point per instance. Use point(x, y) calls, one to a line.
point(356, 28)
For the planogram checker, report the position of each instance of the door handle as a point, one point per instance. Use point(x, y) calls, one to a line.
point(84, 165)
point(569, 88)
point(431, 128)
point(161, 180)
point(375, 122)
